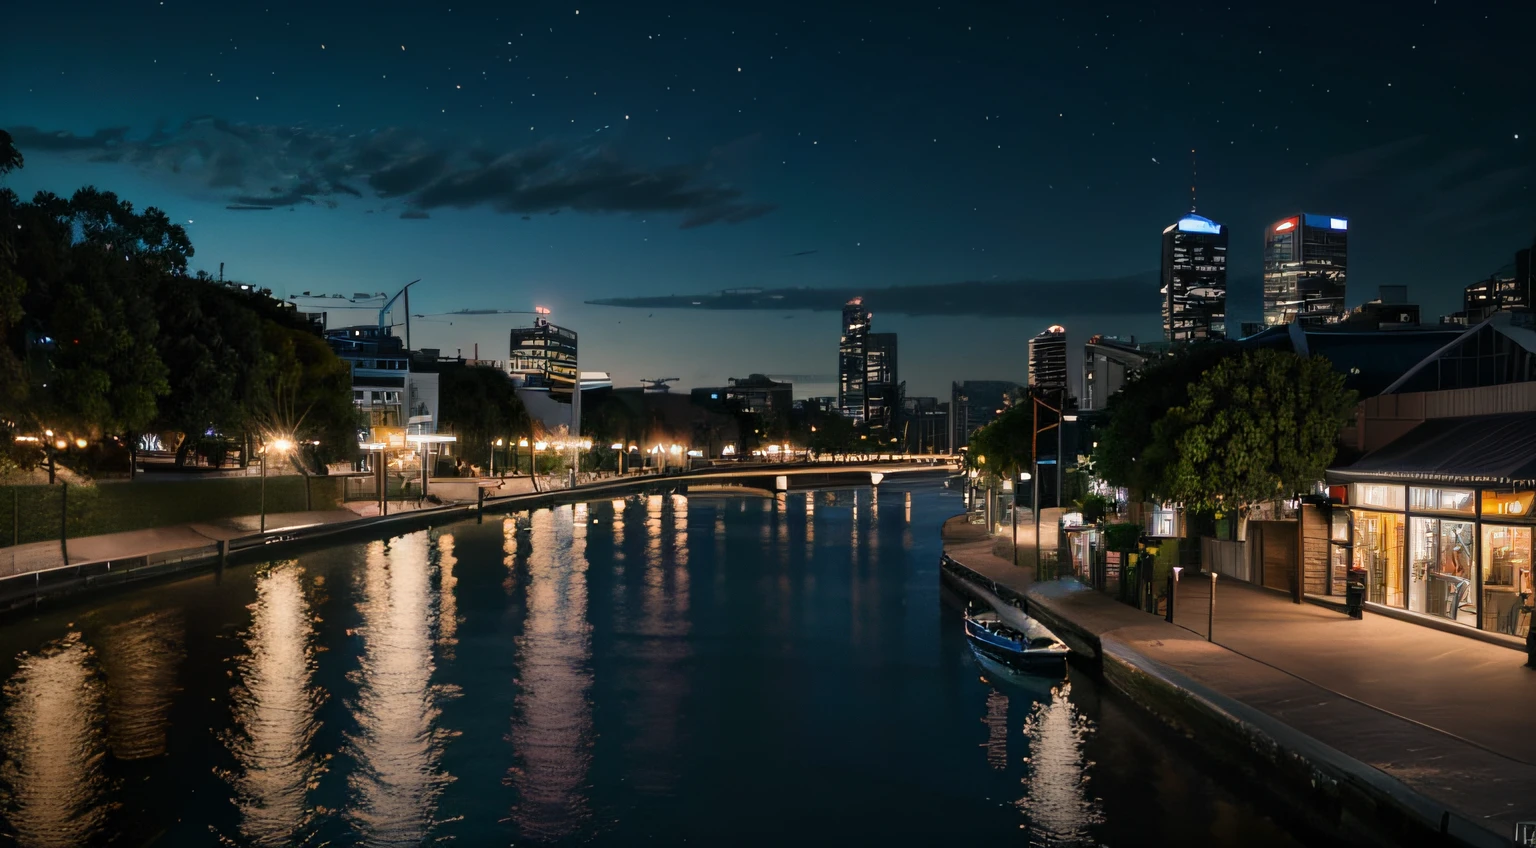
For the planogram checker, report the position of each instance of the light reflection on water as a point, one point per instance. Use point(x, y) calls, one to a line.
point(141, 657)
point(551, 729)
point(55, 787)
point(275, 701)
point(643, 669)
point(394, 751)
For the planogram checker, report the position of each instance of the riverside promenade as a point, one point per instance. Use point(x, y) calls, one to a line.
point(1380, 730)
point(33, 571)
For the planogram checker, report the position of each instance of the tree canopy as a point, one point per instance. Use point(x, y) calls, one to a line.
point(1129, 454)
point(480, 405)
point(1005, 446)
point(103, 333)
point(1256, 427)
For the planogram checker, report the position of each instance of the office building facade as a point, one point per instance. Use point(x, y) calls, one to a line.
point(1048, 360)
point(882, 387)
point(1306, 261)
point(974, 403)
point(544, 357)
point(1107, 363)
point(851, 364)
point(1194, 280)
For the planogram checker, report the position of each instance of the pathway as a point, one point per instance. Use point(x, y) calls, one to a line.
point(1452, 718)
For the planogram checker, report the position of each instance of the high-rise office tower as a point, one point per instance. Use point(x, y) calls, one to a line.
point(1048, 359)
point(544, 356)
point(881, 385)
point(1194, 280)
point(851, 376)
point(1305, 262)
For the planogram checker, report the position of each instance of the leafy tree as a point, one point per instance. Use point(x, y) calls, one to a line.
point(212, 346)
point(303, 391)
point(1129, 454)
point(10, 157)
point(480, 405)
point(1256, 427)
point(1006, 443)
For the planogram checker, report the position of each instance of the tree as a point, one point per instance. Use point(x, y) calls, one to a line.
point(1256, 427)
point(480, 405)
point(1006, 443)
point(212, 345)
point(303, 391)
point(1129, 453)
point(10, 157)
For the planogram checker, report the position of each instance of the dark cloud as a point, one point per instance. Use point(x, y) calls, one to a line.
point(32, 138)
point(414, 215)
point(1133, 295)
point(259, 165)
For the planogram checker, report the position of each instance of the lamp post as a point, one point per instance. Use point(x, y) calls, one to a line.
point(1024, 477)
point(620, 448)
point(494, 445)
point(422, 441)
point(282, 446)
point(516, 462)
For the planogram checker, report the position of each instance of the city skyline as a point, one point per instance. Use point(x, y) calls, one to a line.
point(541, 156)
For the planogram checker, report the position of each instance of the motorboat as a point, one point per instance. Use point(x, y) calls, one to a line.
point(1030, 648)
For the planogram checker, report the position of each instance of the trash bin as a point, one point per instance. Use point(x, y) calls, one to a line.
point(1354, 593)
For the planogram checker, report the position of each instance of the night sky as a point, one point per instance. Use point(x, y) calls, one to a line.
point(553, 154)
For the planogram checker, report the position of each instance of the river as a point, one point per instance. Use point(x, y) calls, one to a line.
point(655, 669)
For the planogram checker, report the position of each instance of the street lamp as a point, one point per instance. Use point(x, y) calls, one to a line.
point(494, 445)
point(522, 443)
point(422, 440)
point(282, 446)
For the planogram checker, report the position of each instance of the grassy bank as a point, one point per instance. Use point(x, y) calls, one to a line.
point(34, 513)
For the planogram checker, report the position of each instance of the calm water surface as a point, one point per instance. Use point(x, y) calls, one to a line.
point(656, 669)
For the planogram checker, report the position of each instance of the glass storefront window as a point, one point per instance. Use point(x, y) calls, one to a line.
point(1440, 569)
point(1440, 500)
point(1506, 574)
point(1379, 547)
point(1376, 495)
point(1512, 504)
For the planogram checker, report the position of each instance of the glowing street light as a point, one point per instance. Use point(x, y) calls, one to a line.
point(280, 446)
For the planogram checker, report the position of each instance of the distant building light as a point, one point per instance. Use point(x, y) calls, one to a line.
point(1197, 224)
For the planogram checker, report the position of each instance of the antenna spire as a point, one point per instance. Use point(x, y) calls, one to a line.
point(1193, 175)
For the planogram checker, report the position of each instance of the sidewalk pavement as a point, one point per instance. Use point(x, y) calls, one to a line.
point(1446, 715)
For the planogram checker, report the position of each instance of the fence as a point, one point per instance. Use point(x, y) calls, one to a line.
point(1229, 559)
point(40, 513)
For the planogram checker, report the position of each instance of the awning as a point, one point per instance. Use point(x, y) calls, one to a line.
point(1475, 450)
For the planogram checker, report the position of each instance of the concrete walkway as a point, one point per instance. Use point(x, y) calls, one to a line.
point(1449, 719)
point(499, 491)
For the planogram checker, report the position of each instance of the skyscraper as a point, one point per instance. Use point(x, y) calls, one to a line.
point(881, 385)
point(851, 376)
point(1048, 359)
point(1194, 280)
point(1305, 263)
point(544, 356)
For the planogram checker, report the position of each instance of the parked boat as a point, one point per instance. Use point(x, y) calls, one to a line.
point(1032, 649)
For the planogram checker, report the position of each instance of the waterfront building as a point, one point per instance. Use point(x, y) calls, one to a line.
point(1194, 280)
point(765, 402)
point(1440, 518)
point(1048, 360)
point(851, 365)
point(1306, 259)
point(882, 387)
point(1108, 362)
point(925, 425)
point(380, 365)
point(543, 357)
point(974, 403)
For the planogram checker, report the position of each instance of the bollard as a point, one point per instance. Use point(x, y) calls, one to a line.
point(1173, 589)
point(64, 521)
point(1210, 614)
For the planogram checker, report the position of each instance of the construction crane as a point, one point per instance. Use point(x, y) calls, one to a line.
point(659, 384)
